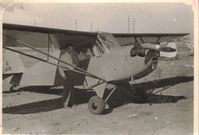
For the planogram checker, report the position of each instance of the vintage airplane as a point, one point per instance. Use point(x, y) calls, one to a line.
point(89, 60)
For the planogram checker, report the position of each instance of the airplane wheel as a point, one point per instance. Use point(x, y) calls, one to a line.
point(96, 105)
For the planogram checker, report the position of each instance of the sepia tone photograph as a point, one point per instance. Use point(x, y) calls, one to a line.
point(97, 68)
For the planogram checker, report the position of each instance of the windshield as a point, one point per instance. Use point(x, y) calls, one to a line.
point(104, 43)
point(107, 39)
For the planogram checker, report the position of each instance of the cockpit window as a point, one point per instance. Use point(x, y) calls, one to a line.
point(102, 36)
point(96, 50)
point(104, 43)
point(107, 39)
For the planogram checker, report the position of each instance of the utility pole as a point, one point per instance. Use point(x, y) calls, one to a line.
point(133, 25)
point(35, 22)
point(128, 23)
point(76, 24)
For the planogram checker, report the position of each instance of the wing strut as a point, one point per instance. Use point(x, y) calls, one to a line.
point(76, 69)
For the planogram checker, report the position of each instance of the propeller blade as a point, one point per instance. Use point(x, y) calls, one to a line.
point(151, 46)
point(167, 49)
point(157, 47)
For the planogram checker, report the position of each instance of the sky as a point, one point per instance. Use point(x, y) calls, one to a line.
point(146, 18)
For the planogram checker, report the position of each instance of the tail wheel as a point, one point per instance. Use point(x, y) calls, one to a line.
point(96, 105)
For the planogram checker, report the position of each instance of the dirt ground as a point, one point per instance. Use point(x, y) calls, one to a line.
point(167, 112)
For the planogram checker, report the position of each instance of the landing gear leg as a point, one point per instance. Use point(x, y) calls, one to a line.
point(97, 103)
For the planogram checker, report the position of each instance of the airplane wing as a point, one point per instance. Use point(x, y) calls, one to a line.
point(39, 35)
point(76, 38)
point(37, 39)
point(132, 38)
point(149, 34)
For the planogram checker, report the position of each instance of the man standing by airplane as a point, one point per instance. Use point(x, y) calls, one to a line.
point(69, 55)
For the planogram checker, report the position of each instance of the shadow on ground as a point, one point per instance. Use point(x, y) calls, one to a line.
point(119, 97)
point(82, 97)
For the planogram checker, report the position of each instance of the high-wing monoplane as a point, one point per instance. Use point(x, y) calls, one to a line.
point(89, 60)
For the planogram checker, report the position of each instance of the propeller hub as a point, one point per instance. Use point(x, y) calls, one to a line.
point(157, 47)
point(137, 51)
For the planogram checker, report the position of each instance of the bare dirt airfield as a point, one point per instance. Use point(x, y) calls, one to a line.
point(169, 112)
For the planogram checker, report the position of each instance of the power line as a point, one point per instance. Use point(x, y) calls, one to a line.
point(76, 24)
point(133, 25)
point(91, 25)
point(128, 23)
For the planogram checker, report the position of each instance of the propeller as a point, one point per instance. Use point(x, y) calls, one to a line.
point(140, 50)
point(167, 49)
point(157, 47)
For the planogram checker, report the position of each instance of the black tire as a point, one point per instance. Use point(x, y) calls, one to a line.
point(96, 105)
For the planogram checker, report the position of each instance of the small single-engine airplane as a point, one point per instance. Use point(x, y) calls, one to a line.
point(89, 60)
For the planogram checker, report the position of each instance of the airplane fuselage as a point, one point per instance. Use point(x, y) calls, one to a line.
point(118, 65)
